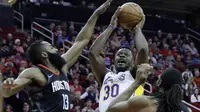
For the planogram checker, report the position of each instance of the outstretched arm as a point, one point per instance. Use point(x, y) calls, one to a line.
point(97, 62)
point(12, 86)
point(84, 36)
point(124, 102)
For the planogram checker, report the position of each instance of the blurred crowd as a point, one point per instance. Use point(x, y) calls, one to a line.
point(166, 50)
point(75, 3)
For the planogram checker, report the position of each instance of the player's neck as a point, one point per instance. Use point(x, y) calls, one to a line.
point(121, 70)
point(50, 66)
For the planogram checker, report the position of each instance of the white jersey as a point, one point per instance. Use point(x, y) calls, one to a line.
point(113, 85)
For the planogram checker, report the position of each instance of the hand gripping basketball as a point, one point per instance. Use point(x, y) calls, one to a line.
point(142, 73)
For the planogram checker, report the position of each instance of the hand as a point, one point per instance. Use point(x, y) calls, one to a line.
point(9, 82)
point(139, 25)
point(103, 7)
point(142, 72)
point(114, 20)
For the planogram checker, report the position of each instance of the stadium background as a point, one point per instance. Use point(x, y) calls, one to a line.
point(171, 30)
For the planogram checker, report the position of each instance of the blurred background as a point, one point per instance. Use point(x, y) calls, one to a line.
point(172, 30)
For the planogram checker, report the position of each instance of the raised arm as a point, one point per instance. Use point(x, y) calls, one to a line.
point(141, 46)
point(10, 86)
point(84, 35)
point(97, 62)
point(124, 102)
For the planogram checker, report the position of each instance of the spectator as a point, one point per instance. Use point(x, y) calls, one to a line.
point(61, 38)
point(18, 46)
point(91, 93)
point(8, 108)
point(76, 89)
point(124, 42)
point(193, 49)
point(187, 75)
point(196, 79)
point(26, 107)
point(115, 41)
point(90, 80)
point(107, 61)
point(88, 107)
point(52, 27)
point(10, 37)
point(195, 97)
point(17, 58)
point(179, 64)
point(153, 59)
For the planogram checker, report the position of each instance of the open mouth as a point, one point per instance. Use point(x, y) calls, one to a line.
point(121, 61)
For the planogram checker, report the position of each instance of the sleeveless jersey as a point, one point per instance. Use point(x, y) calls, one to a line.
point(113, 85)
point(54, 96)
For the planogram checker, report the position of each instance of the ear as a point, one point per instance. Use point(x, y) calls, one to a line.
point(44, 54)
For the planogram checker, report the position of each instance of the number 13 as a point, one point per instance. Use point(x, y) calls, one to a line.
point(112, 91)
point(65, 102)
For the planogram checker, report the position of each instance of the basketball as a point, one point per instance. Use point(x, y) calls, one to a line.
point(130, 15)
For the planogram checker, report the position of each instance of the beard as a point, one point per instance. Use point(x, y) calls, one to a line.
point(56, 60)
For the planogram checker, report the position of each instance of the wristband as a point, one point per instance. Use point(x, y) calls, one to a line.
point(110, 25)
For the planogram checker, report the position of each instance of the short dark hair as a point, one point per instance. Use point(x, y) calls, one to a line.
point(124, 47)
point(34, 51)
point(171, 77)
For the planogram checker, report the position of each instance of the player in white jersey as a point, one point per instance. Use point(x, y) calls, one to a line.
point(113, 84)
point(167, 98)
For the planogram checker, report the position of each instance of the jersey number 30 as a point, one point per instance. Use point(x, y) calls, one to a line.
point(111, 91)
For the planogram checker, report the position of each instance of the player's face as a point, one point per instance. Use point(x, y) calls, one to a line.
point(53, 55)
point(49, 48)
point(123, 59)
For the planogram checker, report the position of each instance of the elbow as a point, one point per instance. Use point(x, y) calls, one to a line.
point(143, 50)
point(6, 95)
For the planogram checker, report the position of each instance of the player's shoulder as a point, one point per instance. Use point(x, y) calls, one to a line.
point(32, 70)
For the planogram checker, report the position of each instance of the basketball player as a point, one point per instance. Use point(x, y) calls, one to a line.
point(113, 84)
point(47, 81)
point(167, 99)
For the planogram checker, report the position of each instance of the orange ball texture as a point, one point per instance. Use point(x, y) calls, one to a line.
point(130, 15)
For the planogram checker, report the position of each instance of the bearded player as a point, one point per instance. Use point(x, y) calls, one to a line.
point(47, 82)
point(167, 99)
point(113, 84)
